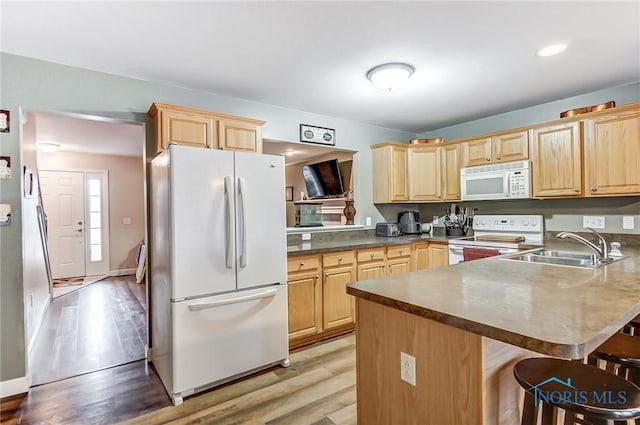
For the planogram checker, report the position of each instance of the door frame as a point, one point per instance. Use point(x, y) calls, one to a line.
point(104, 215)
point(23, 110)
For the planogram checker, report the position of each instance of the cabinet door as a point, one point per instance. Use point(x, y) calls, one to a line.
point(305, 304)
point(239, 136)
point(476, 152)
point(556, 162)
point(372, 270)
point(338, 307)
point(425, 180)
point(398, 265)
point(399, 186)
point(451, 173)
point(186, 129)
point(421, 256)
point(612, 155)
point(510, 147)
point(438, 255)
point(389, 169)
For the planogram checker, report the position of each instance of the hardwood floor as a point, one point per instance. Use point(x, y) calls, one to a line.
point(317, 389)
point(98, 326)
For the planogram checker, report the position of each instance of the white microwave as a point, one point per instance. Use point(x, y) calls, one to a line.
point(511, 180)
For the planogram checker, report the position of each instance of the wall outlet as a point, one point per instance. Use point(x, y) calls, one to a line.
point(368, 221)
point(126, 220)
point(408, 368)
point(436, 219)
point(595, 222)
point(628, 222)
point(306, 236)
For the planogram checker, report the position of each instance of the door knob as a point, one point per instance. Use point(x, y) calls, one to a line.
point(79, 230)
point(79, 223)
point(593, 189)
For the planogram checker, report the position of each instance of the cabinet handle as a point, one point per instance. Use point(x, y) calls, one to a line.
point(576, 190)
point(339, 259)
point(326, 275)
point(317, 277)
point(488, 159)
point(498, 158)
point(372, 255)
point(593, 189)
point(301, 264)
point(400, 252)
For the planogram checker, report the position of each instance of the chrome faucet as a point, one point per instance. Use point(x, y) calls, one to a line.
point(602, 249)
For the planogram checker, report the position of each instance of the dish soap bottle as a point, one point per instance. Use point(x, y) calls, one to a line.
point(615, 250)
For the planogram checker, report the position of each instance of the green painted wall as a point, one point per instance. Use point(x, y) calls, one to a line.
point(34, 84)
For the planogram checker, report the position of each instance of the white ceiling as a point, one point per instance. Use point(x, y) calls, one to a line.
point(86, 135)
point(472, 59)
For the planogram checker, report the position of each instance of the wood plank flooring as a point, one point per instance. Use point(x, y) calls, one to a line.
point(317, 389)
point(98, 326)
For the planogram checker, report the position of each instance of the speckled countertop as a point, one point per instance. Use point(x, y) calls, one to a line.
point(315, 247)
point(554, 310)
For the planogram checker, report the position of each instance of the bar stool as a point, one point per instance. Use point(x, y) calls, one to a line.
point(621, 353)
point(577, 388)
point(633, 327)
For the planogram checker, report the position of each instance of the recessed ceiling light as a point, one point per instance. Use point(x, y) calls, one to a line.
point(48, 147)
point(554, 49)
point(390, 76)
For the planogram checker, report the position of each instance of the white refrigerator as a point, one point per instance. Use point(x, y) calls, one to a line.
point(218, 267)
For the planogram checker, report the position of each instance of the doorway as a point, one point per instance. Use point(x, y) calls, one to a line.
point(92, 191)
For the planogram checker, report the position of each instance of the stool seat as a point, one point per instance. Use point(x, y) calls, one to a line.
point(635, 321)
point(579, 388)
point(620, 348)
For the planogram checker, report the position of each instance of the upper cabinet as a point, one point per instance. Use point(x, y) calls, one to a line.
point(450, 172)
point(425, 178)
point(495, 149)
point(389, 173)
point(198, 128)
point(612, 154)
point(556, 161)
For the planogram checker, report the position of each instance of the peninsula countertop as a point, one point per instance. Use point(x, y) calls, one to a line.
point(554, 310)
point(315, 247)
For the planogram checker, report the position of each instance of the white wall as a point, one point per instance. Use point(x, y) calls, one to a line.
point(126, 198)
point(36, 288)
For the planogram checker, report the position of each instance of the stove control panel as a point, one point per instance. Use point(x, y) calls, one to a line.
point(509, 223)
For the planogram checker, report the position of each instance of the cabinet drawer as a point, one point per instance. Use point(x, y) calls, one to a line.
point(398, 251)
point(338, 258)
point(299, 264)
point(373, 254)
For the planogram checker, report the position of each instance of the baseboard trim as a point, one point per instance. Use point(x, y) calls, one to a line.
point(122, 272)
point(14, 386)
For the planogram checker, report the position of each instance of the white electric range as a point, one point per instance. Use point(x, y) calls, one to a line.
point(529, 228)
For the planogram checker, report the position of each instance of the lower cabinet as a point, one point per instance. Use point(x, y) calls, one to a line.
point(420, 256)
point(305, 296)
point(438, 255)
point(372, 263)
point(398, 259)
point(338, 307)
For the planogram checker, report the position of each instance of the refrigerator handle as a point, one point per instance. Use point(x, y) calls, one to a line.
point(242, 191)
point(265, 294)
point(228, 236)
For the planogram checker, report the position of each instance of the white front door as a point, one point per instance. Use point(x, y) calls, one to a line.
point(63, 199)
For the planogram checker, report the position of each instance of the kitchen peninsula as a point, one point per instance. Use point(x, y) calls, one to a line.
point(468, 324)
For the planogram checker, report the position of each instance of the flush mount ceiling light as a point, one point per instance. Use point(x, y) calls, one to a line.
point(390, 76)
point(552, 50)
point(48, 147)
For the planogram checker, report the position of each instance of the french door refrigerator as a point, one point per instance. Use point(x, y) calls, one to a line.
point(218, 266)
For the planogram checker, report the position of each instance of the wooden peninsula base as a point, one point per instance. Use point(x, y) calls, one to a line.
point(461, 378)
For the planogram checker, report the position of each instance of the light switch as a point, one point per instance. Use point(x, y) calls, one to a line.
point(628, 222)
point(126, 220)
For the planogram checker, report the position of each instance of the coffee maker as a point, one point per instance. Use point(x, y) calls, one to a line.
point(410, 222)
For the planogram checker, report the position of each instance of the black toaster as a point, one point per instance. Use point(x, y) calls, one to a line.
point(388, 229)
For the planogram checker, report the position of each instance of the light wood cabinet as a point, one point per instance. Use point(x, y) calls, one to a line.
point(338, 307)
point(420, 256)
point(438, 255)
point(495, 149)
point(305, 297)
point(612, 154)
point(398, 259)
point(451, 172)
point(389, 164)
point(372, 270)
point(556, 161)
point(205, 129)
point(424, 173)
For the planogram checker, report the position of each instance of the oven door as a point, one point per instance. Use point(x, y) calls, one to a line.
point(456, 252)
point(484, 186)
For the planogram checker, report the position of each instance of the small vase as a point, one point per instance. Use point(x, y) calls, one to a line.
point(349, 211)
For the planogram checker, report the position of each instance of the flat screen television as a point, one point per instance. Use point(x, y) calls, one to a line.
point(323, 179)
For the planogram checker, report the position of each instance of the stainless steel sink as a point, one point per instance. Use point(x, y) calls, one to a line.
point(560, 258)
